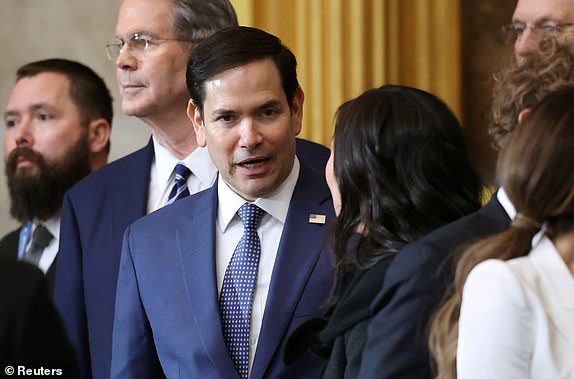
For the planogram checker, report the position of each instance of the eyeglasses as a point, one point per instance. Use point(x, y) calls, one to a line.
point(138, 44)
point(512, 32)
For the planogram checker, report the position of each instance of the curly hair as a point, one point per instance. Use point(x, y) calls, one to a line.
point(535, 167)
point(402, 168)
point(523, 86)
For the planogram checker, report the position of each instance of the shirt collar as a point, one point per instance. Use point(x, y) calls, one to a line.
point(504, 200)
point(276, 204)
point(198, 162)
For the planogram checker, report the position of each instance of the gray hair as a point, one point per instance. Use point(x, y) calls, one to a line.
point(195, 20)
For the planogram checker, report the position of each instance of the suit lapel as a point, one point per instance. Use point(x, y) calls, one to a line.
point(299, 249)
point(135, 187)
point(195, 241)
point(557, 286)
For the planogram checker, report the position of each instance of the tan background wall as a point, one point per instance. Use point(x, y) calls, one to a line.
point(343, 48)
point(74, 29)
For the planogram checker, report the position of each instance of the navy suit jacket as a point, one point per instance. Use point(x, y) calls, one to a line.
point(167, 319)
point(414, 286)
point(95, 213)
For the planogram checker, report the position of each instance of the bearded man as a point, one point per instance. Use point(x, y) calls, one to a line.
point(58, 122)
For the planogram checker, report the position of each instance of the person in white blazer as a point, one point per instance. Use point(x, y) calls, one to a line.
point(515, 289)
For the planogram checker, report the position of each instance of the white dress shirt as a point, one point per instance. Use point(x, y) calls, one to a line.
point(230, 229)
point(517, 318)
point(162, 174)
point(503, 199)
point(50, 251)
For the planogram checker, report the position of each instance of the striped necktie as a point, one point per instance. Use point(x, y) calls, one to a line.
point(238, 287)
point(179, 189)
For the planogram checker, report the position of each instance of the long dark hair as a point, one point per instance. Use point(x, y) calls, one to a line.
point(402, 169)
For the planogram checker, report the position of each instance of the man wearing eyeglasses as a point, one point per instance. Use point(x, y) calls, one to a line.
point(535, 19)
point(153, 41)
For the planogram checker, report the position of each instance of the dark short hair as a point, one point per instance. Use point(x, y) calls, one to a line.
point(88, 91)
point(195, 20)
point(234, 47)
point(402, 169)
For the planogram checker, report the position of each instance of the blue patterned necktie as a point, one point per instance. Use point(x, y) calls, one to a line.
point(179, 189)
point(238, 288)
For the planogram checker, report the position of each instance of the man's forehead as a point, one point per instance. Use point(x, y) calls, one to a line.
point(144, 16)
point(539, 11)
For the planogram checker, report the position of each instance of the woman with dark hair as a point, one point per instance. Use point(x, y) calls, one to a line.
point(398, 170)
point(514, 291)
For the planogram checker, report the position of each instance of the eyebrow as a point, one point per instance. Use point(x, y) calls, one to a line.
point(270, 103)
point(146, 33)
point(538, 21)
point(33, 107)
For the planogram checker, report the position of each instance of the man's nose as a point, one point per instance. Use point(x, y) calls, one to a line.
point(526, 45)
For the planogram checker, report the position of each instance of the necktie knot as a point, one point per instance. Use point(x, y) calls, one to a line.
point(41, 237)
point(250, 215)
point(181, 172)
point(179, 189)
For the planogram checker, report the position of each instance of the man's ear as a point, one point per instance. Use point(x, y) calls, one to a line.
point(523, 113)
point(194, 115)
point(297, 110)
point(99, 135)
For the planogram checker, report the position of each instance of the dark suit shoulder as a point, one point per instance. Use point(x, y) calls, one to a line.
point(30, 329)
point(18, 279)
point(313, 183)
point(198, 202)
point(313, 154)
point(9, 244)
point(111, 172)
point(439, 244)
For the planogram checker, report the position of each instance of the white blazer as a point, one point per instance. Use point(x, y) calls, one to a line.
point(517, 318)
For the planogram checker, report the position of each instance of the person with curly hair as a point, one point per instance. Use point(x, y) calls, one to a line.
point(513, 290)
point(420, 276)
point(523, 86)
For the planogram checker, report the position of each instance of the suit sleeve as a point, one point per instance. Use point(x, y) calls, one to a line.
point(495, 333)
point(397, 337)
point(69, 288)
point(133, 350)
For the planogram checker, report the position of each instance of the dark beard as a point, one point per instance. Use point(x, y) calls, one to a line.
point(40, 194)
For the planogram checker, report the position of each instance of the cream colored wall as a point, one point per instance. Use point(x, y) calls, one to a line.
point(73, 29)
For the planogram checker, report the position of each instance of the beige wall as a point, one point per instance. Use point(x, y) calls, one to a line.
point(73, 29)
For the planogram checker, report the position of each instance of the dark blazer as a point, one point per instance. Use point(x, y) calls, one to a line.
point(167, 319)
point(95, 214)
point(31, 333)
point(9, 244)
point(414, 286)
point(340, 336)
point(9, 249)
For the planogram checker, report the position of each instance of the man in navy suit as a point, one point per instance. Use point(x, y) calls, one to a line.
point(246, 107)
point(151, 48)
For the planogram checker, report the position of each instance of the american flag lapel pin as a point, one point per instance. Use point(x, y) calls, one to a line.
point(317, 219)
